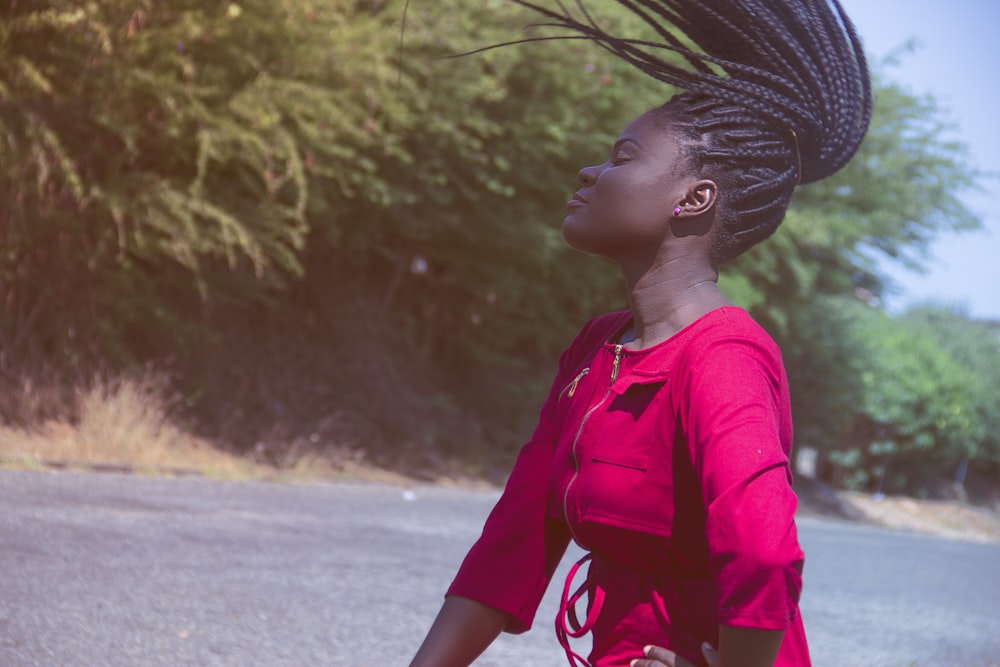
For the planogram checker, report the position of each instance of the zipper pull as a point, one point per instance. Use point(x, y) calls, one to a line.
point(618, 359)
point(576, 381)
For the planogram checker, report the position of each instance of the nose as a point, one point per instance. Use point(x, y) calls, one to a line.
point(588, 175)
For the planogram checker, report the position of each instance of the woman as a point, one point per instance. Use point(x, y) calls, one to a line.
point(663, 447)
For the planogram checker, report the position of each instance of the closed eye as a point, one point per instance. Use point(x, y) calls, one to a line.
point(621, 151)
point(620, 158)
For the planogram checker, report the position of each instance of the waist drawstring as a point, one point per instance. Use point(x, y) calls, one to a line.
point(567, 622)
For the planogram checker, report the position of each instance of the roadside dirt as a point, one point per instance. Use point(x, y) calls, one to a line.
point(948, 519)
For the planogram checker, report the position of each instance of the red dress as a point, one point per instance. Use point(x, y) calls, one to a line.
point(670, 465)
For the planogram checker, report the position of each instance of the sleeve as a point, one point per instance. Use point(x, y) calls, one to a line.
point(739, 431)
point(510, 565)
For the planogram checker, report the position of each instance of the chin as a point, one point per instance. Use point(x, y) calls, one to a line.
point(582, 242)
point(574, 236)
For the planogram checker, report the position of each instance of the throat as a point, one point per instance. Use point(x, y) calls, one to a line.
point(654, 320)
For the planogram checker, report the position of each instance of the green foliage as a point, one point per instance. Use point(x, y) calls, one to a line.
point(137, 169)
point(461, 222)
point(168, 161)
point(307, 209)
point(824, 370)
point(922, 405)
point(973, 347)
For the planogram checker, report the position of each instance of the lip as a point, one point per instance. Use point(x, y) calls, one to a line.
point(576, 201)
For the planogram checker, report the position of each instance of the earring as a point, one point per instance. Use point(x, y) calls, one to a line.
point(677, 211)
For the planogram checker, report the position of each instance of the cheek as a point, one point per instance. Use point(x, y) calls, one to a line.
point(632, 206)
point(625, 209)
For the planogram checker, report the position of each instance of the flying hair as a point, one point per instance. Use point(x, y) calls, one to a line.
point(775, 93)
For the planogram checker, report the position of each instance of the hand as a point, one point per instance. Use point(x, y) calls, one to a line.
point(661, 657)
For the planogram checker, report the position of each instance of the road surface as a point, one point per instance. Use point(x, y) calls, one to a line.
point(109, 570)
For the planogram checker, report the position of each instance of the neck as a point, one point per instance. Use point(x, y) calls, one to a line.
point(669, 294)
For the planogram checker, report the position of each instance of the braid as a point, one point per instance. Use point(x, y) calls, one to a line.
point(777, 93)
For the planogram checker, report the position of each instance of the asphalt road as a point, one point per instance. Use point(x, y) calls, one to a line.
point(110, 570)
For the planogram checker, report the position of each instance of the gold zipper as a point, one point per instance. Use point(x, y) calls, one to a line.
point(576, 462)
point(570, 389)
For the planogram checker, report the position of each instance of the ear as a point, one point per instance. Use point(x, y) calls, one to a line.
point(698, 200)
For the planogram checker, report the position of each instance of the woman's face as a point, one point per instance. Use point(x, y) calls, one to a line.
point(626, 204)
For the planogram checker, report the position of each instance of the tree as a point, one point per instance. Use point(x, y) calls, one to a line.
point(171, 164)
point(924, 400)
point(974, 347)
point(141, 167)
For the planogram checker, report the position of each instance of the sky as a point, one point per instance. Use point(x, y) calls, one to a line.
point(958, 62)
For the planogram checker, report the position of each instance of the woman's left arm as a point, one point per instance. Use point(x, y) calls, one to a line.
point(738, 426)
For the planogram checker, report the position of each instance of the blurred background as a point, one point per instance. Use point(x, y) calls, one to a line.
point(288, 235)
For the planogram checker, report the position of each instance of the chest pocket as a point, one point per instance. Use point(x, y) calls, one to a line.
point(625, 430)
point(626, 462)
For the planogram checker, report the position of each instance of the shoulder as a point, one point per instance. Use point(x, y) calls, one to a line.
point(733, 377)
point(732, 326)
point(730, 340)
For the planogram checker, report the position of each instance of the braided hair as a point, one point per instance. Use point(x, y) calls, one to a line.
point(775, 93)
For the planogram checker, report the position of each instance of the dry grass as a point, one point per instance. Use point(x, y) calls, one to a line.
point(126, 420)
point(131, 423)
